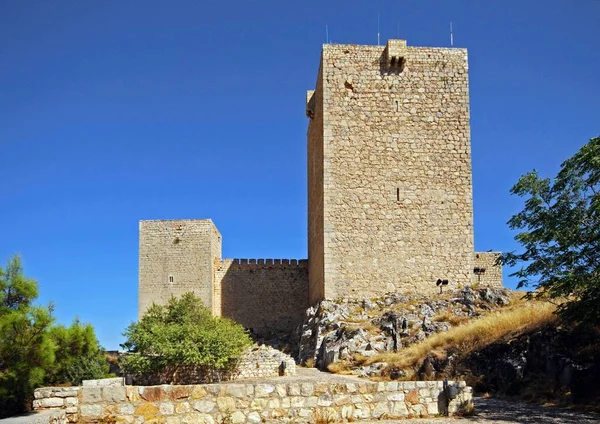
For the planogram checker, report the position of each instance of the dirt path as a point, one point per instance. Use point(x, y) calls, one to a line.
point(496, 411)
point(504, 412)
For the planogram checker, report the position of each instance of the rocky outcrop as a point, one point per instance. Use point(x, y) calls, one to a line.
point(338, 330)
point(558, 358)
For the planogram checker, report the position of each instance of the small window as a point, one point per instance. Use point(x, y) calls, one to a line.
point(171, 278)
point(397, 195)
point(396, 105)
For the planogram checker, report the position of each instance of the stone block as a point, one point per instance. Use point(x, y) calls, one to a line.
point(67, 392)
point(253, 418)
point(236, 390)
point(166, 408)
point(91, 394)
point(91, 411)
point(126, 409)
point(104, 382)
point(432, 408)
point(146, 410)
point(71, 401)
point(205, 406)
point(380, 410)
point(398, 410)
point(52, 402)
point(293, 389)
point(412, 397)
point(225, 404)
point(263, 390)
point(183, 407)
point(114, 394)
point(152, 393)
point(198, 392)
point(238, 417)
point(42, 393)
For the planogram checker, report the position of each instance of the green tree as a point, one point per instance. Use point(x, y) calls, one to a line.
point(171, 340)
point(560, 235)
point(26, 350)
point(78, 355)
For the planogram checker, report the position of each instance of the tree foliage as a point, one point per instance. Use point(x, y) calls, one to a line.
point(182, 335)
point(26, 349)
point(78, 355)
point(33, 352)
point(560, 235)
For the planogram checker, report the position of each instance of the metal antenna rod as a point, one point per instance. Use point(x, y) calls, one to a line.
point(451, 35)
point(326, 34)
point(377, 28)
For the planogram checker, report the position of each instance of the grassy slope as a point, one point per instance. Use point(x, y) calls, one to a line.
point(472, 335)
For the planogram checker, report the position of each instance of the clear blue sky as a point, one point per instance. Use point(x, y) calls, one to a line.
point(117, 111)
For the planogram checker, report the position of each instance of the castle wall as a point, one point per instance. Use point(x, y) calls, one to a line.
point(397, 202)
point(264, 295)
point(492, 276)
point(176, 257)
point(314, 109)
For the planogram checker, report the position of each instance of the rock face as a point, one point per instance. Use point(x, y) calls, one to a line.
point(555, 356)
point(334, 331)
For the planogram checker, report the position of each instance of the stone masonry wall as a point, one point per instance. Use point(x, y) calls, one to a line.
point(264, 361)
point(314, 110)
point(397, 202)
point(265, 295)
point(64, 398)
point(176, 256)
point(493, 273)
point(286, 401)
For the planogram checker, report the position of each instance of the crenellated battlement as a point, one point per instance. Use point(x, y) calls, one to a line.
point(260, 263)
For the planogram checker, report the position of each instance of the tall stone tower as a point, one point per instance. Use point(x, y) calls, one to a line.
point(389, 171)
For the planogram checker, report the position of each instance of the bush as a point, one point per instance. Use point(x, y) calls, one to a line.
point(78, 355)
point(182, 342)
point(33, 352)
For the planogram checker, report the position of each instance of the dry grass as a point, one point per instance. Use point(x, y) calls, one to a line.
point(466, 338)
point(325, 416)
point(340, 367)
point(448, 316)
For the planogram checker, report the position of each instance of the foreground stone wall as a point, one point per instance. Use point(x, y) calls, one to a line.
point(396, 159)
point(264, 295)
point(298, 402)
point(62, 398)
point(492, 276)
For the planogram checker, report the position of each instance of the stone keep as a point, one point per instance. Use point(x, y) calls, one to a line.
point(389, 170)
point(390, 204)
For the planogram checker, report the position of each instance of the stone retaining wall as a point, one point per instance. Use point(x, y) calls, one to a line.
point(289, 401)
point(66, 398)
point(264, 361)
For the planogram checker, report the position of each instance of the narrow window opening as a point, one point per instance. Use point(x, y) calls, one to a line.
point(171, 278)
point(396, 105)
point(397, 195)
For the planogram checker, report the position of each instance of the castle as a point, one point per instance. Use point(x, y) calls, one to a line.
point(390, 205)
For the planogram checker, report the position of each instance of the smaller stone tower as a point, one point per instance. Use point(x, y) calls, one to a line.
point(176, 257)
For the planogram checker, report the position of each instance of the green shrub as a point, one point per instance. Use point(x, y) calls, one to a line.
point(78, 355)
point(182, 342)
point(33, 353)
point(26, 350)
